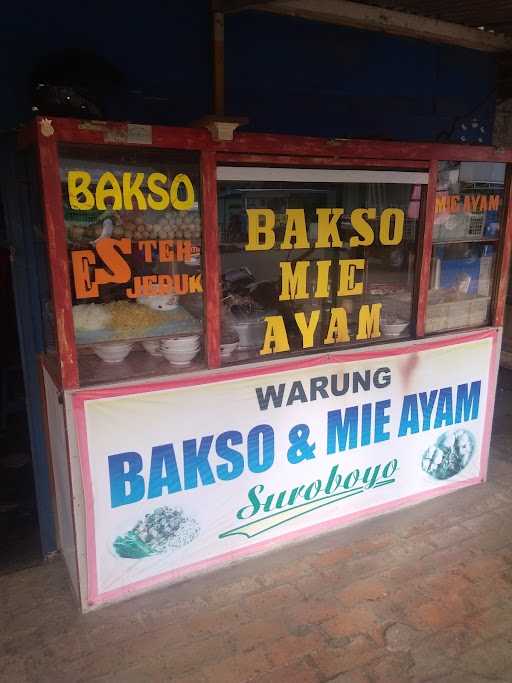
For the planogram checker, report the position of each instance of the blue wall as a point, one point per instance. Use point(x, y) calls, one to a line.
point(162, 48)
point(296, 76)
point(285, 74)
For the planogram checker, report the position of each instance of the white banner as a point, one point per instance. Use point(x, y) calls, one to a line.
point(178, 477)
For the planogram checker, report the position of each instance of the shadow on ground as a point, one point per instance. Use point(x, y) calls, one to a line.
point(502, 425)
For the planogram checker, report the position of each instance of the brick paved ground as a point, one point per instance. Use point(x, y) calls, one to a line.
point(424, 594)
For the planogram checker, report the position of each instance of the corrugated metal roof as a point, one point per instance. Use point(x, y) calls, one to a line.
point(493, 15)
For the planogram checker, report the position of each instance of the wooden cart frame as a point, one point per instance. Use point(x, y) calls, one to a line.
point(245, 149)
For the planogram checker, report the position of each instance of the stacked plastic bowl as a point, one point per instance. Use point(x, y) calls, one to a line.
point(180, 351)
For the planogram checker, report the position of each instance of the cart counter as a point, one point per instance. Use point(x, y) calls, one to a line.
point(256, 340)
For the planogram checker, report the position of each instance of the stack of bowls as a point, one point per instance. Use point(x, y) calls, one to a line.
point(180, 350)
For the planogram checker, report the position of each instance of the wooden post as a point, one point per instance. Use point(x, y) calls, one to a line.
point(57, 252)
point(503, 256)
point(211, 258)
point(425, 251)
point(218, 63)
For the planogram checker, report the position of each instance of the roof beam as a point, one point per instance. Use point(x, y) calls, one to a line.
point(228, 6)
point(357, 15)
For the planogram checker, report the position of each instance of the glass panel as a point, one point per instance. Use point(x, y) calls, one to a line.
point(135, 248)
point(315, 265)
point(468, 214)
point(469, 201)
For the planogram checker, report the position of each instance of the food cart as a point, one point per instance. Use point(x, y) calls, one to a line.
point(257, 339)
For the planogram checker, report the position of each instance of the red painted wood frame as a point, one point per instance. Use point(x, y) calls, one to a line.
point(245, 149)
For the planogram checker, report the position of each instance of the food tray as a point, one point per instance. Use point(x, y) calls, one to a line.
point(182, 321)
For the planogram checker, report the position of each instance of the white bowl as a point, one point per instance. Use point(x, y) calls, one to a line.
point(184, 349)
point(175, 344)
point(176, 358)
point(393, 329)
point(152, 346)
point(180, 352)
point(180, 341)
point(112, 353)
point(227, 349)
point(187, 355)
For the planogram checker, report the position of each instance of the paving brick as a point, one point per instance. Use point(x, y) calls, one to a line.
point(332, 661)
point(360, 591)
point(488, 521)
point(354, 621)
point(313, 610)
point(313, 585)
point(464, 677)
point(272, 599)
point(482, 566)
point(493, 622)
point(293, 647)
point(430, 667)
point(358, 568)
point(155, 648)
point(299, 672)
point(437, 614)
point(398, 603)
point(212, 621)
point(233, 591)
point(492, 658)
point(442, 583)
point(192, 677)
point(400, 637)
point(369, 545)
point(351, 677)
point(147, 673)
point(12, 670)
point(450, 643)
point(400, 598)
point(249, 636)
point(286, 573)
point(238, 669)
point(170, 614)
point(447, 538)
point(394, 668)
point(332, 557)
point(102, 632)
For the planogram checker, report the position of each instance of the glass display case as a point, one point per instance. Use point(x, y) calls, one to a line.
point(231, 318)
point(468, 216)
point(365, 257)
point(345, 260)
point(134, 240)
